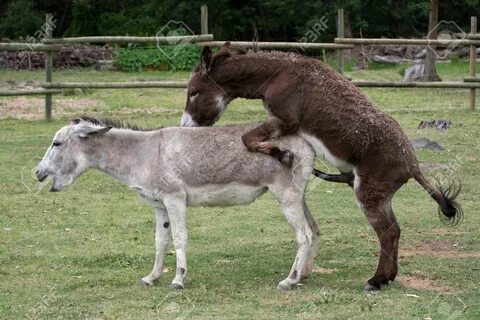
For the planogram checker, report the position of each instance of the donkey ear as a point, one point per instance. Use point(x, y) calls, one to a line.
point(88, 131)
point(75, 121)
point(206, 59)
point(226, 46)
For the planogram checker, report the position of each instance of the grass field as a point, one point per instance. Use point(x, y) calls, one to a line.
point(80, 253)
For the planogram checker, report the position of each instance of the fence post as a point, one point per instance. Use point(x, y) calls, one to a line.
point(473, 60)
point(204, 18)
point(48, 66)
point(340, 34)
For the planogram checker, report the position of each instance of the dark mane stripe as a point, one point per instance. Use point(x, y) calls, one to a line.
point(114, 123)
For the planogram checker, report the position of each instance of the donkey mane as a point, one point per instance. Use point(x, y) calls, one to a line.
point(310, 71)
point(114, 123)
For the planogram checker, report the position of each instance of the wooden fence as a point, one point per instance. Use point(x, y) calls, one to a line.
point(472, 39)
point(50, 45)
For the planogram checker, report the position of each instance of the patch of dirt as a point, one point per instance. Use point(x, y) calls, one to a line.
point(439, 245)
point(225, 261)
point(145, 111)
point(438, 248)
point(433, 166)
point(34, 108)
point(323, 270)
point(420, 281)
point(444, 231)
point(180, 101)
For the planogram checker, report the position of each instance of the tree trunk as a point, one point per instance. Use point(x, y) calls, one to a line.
point(430, 72)
point(347, 25)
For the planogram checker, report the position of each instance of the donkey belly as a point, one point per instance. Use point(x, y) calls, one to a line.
point(223, 194)
point(322, 152)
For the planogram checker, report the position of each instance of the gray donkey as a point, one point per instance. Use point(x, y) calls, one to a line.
point(172, 168)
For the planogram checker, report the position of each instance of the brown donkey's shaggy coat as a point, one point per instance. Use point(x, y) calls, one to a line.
point(307, 97)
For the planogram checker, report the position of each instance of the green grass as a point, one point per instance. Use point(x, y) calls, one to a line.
point(80, 253)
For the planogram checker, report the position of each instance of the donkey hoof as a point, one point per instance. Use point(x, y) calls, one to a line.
point(371, 288)
point(145, 283)
point(176, 286)
point(286, 158)
point(283, 287)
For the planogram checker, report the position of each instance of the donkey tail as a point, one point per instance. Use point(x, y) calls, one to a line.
point(340, 178)
point(449, 210)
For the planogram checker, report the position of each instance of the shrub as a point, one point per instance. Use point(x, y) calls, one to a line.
point(157, 58)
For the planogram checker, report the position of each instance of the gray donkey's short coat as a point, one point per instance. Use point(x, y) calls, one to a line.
point(173, 168)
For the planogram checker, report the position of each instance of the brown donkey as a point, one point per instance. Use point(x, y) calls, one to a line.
point(344, 127)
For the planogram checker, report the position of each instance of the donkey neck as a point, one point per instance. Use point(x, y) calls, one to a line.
point(121, 154)
point(248, 76)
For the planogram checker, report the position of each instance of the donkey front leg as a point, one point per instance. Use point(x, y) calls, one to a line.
point(176, 208)
point(255, 140)
point(162, 240)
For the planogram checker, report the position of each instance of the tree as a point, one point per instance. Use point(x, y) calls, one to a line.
point(21, 19)
point(430, 71)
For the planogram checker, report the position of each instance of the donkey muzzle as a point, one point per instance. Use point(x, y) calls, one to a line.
point(187, 121)
point(41, 175)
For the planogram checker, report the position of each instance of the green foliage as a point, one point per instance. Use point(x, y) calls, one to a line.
point(157, 58)
point(21, 19)
point(277, 20)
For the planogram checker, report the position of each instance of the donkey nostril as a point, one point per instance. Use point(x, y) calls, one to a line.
point(37, 172)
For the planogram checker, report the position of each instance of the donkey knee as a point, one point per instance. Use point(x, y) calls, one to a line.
point(391, 233)
point(249, 141)
point(305, 236)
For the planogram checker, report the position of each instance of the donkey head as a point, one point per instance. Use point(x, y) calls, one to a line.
point(66, 158)
point(206, 98)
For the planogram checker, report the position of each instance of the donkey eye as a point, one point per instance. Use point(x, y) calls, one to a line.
point(193, 94)
point(56, 143)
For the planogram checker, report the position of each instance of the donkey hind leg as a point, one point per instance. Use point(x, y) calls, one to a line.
point(176, 208)
point(162, 240)
point(304, 235)
point(256, 140)
point(378, 210)
point(312, 251)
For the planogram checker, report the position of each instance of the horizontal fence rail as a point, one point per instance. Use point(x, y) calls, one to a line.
point(471, 79)
point(115, 85)
point(183, 84)
point(25, 46)
point(276, 45)
point(28, 92)
point(416, 42)
point(400, 84)
point(128, 39)
point(56, 87)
